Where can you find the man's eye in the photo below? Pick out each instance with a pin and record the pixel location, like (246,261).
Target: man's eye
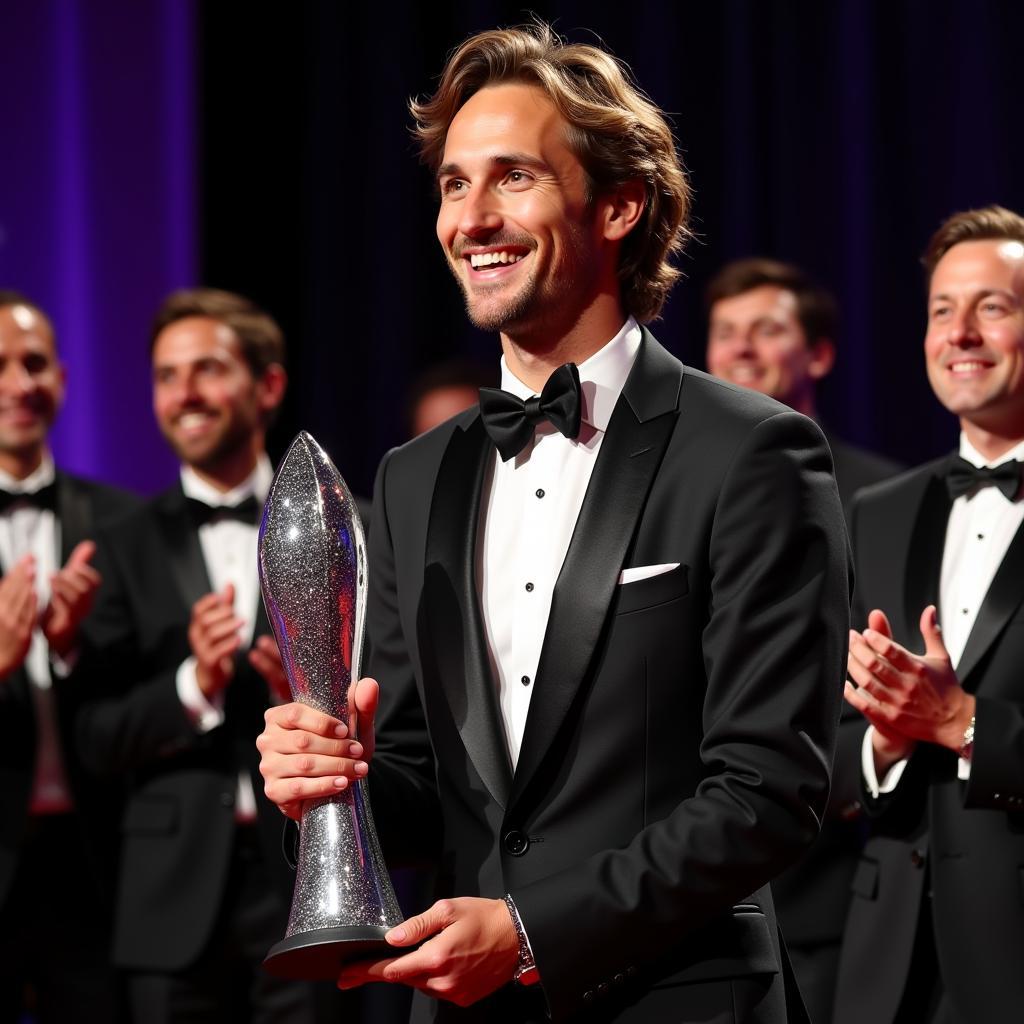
(452,187)
(517,177)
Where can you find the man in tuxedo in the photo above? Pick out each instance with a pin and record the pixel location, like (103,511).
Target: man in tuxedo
(606,608)
(936,924)
(772,329)
(57,825)
(190,667)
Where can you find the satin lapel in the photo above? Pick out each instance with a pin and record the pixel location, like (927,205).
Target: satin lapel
(454,643)
(627,464)
(1002,600)
(74,515)
(183,549)
(924,557)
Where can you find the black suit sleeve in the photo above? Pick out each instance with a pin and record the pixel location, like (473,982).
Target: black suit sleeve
(774,649)
(402,778)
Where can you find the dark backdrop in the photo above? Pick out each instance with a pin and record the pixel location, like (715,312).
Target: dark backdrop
(264,147)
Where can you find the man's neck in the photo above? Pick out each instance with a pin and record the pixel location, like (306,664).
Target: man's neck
(991,444)
(22,464)
(230,471)
(534,356)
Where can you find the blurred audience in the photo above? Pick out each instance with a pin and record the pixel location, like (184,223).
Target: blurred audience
(935,932)
(59,827)
(190,667)
(443,391)
(775,331)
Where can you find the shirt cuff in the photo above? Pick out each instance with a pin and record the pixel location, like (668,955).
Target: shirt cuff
(867,767)
(62,667)
(205,714)
(963,768)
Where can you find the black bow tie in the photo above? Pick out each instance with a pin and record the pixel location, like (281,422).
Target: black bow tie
(247,511)
(45,497)
(962,477)
(510,421)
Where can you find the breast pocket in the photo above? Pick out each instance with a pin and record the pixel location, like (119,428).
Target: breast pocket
(655,590)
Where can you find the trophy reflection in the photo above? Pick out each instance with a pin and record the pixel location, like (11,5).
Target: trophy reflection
(313,574)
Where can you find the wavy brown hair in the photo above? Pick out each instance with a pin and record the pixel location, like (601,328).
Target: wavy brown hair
(616,132)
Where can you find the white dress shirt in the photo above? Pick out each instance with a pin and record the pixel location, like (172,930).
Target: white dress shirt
(28,530)
(528,513)
(229,551)
(981,525)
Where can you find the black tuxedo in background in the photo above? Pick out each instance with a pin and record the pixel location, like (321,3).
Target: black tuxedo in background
(963,841)
(178,833)
(676,755)
(812,896)
(81,507)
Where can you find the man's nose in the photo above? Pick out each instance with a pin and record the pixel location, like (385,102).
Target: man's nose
(963,330)
(479,213)
(15,379)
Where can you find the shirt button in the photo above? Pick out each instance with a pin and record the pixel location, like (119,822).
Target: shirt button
(981,536)
(525,680)
(965,611)
(529,589)
(540,492)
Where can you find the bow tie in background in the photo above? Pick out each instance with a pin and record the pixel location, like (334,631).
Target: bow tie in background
(510,422)
(247,511)
(44,498)
(962,477)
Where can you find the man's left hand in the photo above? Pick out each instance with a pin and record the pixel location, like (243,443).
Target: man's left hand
(470,949)
(265,657)
(915,695)
(72,592)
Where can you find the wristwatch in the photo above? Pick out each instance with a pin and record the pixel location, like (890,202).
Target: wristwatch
(526,972)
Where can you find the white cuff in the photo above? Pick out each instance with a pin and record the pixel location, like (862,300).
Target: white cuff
(963,768)
(205,714)
(867,767)
(62,667)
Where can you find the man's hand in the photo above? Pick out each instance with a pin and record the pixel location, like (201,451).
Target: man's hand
(17,614)
(471,950)
(72,592)
(266,659)
(906,697)
(307,754)
(214,639)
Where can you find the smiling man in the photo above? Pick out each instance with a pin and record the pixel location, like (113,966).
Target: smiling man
(607,608)
(54,909)
(190,667)
(936,924)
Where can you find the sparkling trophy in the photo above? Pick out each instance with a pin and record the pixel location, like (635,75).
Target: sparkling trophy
(312,566)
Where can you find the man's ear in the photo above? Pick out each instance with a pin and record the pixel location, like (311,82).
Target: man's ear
(623,208)
(823,358)
(272,385)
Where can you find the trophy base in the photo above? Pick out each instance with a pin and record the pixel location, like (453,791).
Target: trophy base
(319,955)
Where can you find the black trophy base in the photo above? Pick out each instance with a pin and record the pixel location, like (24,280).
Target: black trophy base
(319,955)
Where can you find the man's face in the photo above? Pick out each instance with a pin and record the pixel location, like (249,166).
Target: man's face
(974,347)
(514,221)
(756,340)
(31,381)
(206,400)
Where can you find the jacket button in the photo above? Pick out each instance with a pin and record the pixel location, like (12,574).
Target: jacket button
(588,997)
(917,858)
(227,798)
(619,979)
(516,842)
(602,989)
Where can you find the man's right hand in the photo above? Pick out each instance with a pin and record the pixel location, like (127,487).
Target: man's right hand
(18,612)
(214,638)
(307,754)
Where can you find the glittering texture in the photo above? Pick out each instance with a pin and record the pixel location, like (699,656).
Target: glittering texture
(312,561)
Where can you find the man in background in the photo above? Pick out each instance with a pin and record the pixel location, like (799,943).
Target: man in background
(58,827)
(443,391)
(190,667)
(772,329)
(936,923)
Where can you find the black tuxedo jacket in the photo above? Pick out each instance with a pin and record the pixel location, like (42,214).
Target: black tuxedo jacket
(82,506)
(178,826)
(857,468)
(966,838)
(676,755)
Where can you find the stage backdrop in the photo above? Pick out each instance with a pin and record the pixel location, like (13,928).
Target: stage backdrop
(265,148)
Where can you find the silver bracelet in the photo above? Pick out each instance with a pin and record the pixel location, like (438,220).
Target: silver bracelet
(526,968)
(967,746)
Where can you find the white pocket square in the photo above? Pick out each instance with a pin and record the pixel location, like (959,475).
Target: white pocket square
(645,572)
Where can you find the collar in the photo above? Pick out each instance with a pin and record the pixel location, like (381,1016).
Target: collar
(39,478)
(976,459)
(602,376)
(257,484)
